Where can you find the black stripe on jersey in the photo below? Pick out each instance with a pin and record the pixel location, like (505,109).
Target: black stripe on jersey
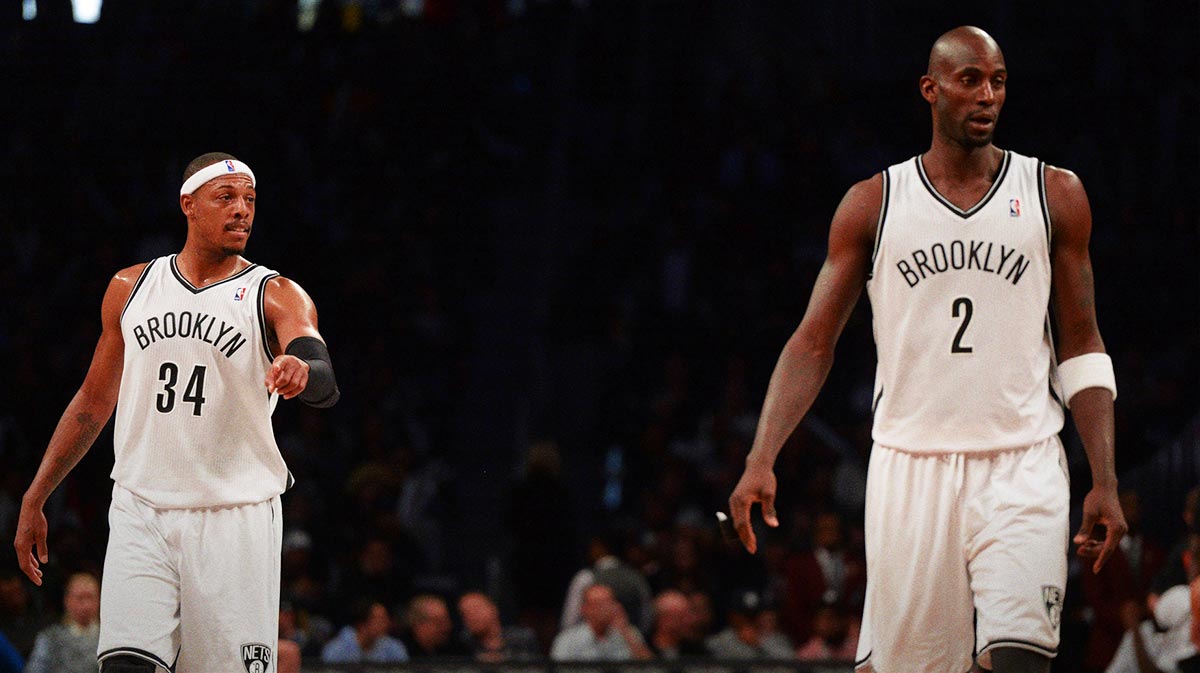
(1020,644)
(262,316)
(875,404)
(862,661)
(982,202)
(1042,197)
(879,226)
(137,286)
(197,290)
(148,656)
(1053,358)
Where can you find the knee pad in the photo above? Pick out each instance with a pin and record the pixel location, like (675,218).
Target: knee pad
(127,663)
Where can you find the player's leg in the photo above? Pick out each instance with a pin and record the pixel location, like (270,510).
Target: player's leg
(1016,660)
(918,612)
(229,608)
(139,595)
(1018,515)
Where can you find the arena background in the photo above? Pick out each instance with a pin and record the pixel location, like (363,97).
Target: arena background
(556,248)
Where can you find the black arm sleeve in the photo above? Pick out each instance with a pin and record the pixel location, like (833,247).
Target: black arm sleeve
(322,390)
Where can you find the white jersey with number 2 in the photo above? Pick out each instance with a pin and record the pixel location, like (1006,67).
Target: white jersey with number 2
(193,420)
(960,300)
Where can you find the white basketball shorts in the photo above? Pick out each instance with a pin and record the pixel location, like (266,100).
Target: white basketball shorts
(966,553)
(192,590)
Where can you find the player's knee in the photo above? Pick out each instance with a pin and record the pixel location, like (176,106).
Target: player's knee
(126,663)
(1019,660)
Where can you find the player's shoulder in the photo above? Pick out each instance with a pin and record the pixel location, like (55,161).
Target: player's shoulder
(285,294)
(1062,179)
(860,207)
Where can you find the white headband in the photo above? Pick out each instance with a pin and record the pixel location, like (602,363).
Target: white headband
(225,167)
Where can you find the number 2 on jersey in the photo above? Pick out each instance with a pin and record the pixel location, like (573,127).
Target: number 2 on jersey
(168,375)
(963,305)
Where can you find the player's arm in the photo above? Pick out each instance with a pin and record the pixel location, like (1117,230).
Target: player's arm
(85,416)
(303,369)
(807,357)
(1082,358)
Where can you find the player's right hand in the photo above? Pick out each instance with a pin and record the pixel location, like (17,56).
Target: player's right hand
(756,485)
(31,541)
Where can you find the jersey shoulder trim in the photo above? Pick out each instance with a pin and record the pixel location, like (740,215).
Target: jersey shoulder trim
(262,314)
(137,286)
(1045,203)
(883,208)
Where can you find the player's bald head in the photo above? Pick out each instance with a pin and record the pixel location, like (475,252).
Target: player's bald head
(961,45)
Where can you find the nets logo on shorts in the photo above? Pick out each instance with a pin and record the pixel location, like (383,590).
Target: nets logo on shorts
(256,657)
(1053,598)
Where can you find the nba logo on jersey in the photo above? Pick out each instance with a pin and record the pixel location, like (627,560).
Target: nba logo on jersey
(229,166)
(256,657)
(1014,207)
(240,294)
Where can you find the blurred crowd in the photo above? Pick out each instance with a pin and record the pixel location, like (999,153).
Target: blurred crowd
(556,248)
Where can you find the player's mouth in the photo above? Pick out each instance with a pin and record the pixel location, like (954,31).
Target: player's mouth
(981,122)
(240,230)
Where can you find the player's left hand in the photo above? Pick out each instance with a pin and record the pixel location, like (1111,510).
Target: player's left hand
(1100,506)
(287,376)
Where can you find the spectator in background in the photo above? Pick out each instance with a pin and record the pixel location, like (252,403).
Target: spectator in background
(605,567)
(675,634)
(744,636)
(1117,594)
(604,635)
(835,635)
(1160,644)
(70,646)
(366,638)
(827,572)
(18,620)
(486,638)
(541,526)
(430,629)
(288,658)
(1176,568)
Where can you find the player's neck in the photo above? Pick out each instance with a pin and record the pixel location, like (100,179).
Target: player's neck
(953,162)
(202,268)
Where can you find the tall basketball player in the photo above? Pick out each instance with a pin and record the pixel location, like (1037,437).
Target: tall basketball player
(196,349)
(964,250)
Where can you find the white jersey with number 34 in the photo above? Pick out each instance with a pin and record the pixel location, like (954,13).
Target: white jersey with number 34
(193,421)
(960,301)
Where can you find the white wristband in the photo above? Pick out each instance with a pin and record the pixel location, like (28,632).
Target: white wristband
(1090,370)
(224,167)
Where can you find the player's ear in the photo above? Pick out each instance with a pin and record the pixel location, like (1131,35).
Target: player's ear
(928,88)
(187,204)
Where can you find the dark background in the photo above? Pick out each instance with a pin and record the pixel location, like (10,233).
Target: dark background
(583,226)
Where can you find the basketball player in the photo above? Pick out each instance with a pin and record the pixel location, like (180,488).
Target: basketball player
(963,251)
(196,349)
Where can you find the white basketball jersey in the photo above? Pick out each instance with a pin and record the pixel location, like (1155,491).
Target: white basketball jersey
(961,314)
(193,422)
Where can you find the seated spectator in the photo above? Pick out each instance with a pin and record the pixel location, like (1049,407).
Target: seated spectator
(486,638)
(835,636)
(675,627)
(606,567)
(604,635)
(1159,644)
(366,638)
(70,646)
(429,629)
(745,637)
